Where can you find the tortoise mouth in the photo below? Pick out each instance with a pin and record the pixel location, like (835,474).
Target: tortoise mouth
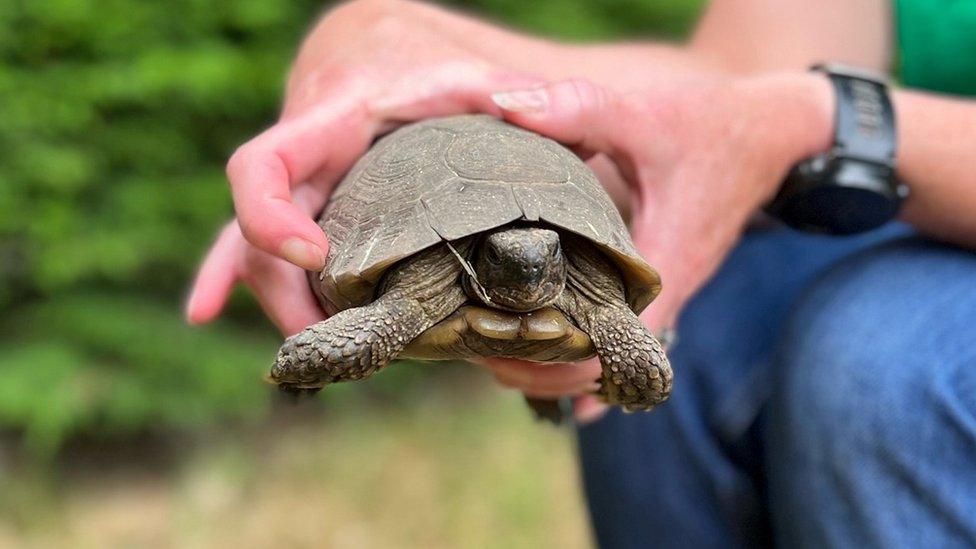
(523,299)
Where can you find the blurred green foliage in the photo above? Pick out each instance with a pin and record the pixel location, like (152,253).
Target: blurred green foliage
(116,117)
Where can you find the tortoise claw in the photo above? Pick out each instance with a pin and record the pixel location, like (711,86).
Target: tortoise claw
(551,411)
(295,394)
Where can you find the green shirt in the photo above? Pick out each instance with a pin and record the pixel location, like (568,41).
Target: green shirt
(937,44)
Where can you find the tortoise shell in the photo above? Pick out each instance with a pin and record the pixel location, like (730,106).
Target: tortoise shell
(449,178)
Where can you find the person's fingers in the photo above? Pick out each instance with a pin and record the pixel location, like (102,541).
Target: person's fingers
(261,182)
(328,138)
(447,89)
(321,143)
(575,112)
(232,259)
(540,390)
(551,375)
(283,292)
(546,380)
(281,288)
(588,408)
(263,170)
(658,235)
(216,278)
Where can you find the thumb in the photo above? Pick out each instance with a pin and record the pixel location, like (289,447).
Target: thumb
(575,112)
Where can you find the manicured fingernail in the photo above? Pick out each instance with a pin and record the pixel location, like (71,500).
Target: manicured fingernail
(534,100)
(303,253)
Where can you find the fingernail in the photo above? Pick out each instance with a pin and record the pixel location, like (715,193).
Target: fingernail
(190,313)
(303,253)
(189,309)
(590,413)
(533,100)
(519,377)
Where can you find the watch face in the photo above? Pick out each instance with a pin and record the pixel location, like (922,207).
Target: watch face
(838,210)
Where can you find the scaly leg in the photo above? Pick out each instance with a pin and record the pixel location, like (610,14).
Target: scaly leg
(351,345)
(636,372)
(356,343)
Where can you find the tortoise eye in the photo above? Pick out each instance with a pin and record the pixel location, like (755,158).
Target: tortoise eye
(492,255)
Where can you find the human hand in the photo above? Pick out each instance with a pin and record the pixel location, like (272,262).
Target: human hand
(363,70)
(700,160)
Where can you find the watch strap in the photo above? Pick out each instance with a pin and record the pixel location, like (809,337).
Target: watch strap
(864,123)
(852,187)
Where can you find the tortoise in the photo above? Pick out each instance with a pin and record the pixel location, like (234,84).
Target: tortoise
(463,237)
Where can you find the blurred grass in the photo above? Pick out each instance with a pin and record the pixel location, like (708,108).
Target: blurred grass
(484,475)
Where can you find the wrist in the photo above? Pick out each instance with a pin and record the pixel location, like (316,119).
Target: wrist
(814,104)
(798,111)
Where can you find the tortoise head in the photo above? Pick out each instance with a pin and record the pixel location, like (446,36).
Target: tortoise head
(520,268)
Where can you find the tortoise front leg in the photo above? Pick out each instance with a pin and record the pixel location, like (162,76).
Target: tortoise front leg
(544,409)
(636,373)
(354,344)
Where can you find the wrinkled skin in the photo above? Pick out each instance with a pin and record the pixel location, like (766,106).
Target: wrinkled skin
(521,269)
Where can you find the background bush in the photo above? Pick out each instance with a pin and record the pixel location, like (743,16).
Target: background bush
(116,117)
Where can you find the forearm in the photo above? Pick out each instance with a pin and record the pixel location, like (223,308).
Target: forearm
(936,157)
(620,65)
(734,36)
(937,160)
(753,36)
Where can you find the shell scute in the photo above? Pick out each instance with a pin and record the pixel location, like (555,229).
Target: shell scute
(462,208)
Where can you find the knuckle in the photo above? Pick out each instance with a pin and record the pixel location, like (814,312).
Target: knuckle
(250,231)
(592,109)
(237,163)
(246,230)
(257,266)
(231,229)
(590,98)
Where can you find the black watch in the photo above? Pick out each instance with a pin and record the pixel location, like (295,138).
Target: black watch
(853,187)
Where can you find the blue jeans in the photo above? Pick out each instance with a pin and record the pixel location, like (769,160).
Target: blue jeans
(825,396)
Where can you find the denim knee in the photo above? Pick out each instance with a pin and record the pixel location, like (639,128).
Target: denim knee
(872,425)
